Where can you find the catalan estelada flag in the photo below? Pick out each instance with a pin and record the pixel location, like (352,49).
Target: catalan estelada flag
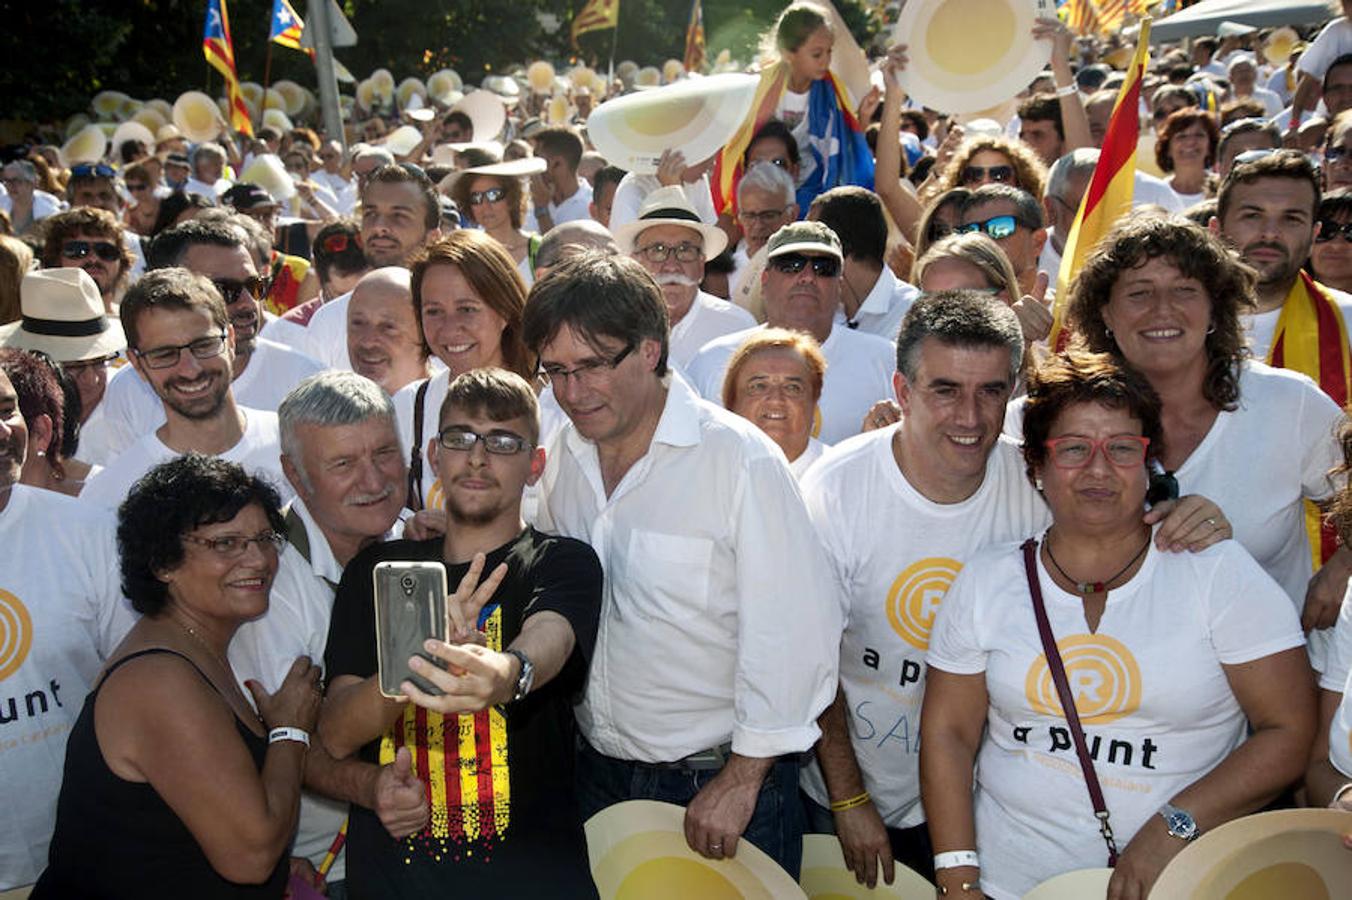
(287,27)
(220,53)
(1110,189)
(695,55)
(595,16)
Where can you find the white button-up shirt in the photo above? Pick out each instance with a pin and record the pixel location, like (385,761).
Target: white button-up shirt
(883,308)
(719,620)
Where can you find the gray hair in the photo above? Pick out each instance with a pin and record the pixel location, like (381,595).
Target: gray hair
(960,319)
(770,178)
(1077,163)
(386,157)
(328,399)
(571,237)
(24,170)
(1027,209)
(205,149)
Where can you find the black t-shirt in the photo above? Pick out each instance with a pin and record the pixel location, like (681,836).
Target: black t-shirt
(499,782)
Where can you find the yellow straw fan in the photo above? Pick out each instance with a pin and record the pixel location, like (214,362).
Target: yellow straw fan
(151,117)
(1082,884)
(558,112)
(698,115)
(275,118)
(107,104)
(293,97)
(87,146)
(442,83)
(485,111)
(366,95)
(1280,44)
(384,82)
(197,116)
(408,89)
(75,123)
(252,92)
(825,876)
(132,131)
(540,76)
(266,171)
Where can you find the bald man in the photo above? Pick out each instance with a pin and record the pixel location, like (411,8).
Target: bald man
(570,237)
(383,340)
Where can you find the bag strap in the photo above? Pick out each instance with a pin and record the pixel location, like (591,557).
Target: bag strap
(415,463)
(1058,672)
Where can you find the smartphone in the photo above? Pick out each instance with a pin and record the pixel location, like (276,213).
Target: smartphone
(410,599)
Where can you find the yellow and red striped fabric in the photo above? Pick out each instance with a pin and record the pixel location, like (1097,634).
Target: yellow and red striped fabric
(220,53)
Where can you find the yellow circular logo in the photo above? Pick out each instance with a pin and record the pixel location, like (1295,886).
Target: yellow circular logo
(914,598)
(1104,679)
(16,634)
(436,496)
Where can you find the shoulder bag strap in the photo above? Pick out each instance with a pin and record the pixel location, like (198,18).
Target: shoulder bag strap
(1058,672)
(415,463)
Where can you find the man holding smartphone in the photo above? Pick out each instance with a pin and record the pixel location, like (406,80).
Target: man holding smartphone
(492,745)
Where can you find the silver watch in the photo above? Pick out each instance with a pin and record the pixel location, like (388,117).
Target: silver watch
(1180,822)
(526,679)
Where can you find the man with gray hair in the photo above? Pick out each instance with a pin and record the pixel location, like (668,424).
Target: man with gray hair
(25,204)
(331,176)
(766,202)
(208,169)
(340,453)
(1067,180)
(1243,74)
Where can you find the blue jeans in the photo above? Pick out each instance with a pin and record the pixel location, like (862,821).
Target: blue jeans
(776,825)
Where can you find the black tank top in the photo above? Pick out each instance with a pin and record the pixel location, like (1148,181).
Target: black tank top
(118,839)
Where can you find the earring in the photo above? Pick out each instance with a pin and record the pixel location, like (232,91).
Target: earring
(1212,329)
(1037,482)
(1107,332)
(41,454)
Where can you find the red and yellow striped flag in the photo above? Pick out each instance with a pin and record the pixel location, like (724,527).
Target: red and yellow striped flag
(596,15)
(695,55)
(220,53)
(1110,189)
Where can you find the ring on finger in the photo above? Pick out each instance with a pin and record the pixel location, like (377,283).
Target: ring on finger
(1212,522)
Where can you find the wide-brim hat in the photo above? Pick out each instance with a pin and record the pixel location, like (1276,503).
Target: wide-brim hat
(486,112)
(88,145)
(444,154)
(267,172)
(697,115)
(63,316)
(402,140)
(197,117)
(132,130)
(670,206)
(641,844)
(514,168)
(1279,45)
(968,55)
(824,874)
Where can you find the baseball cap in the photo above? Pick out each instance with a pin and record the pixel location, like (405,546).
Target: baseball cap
(804,237)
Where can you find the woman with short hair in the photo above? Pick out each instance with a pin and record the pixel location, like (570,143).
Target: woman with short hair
(774,380)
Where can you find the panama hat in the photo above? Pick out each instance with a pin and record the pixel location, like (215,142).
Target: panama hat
(959,68)
(167,132)
(825,875)
(670,206)
(151,118)
(266,171)
(252,92)
(107,104)
(640,844)
(513,168)
(486,112)
(64,317)
(442,83)
(197,116)
(89,144)
(698,115)
(1082,884)
(558,112)
(1287,853)
(384,82)
(366,94)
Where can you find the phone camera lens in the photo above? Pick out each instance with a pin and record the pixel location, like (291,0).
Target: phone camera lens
(407,583)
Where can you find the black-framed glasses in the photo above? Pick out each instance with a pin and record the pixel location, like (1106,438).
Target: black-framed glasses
(685,252)
(588,371)
(167,357)
(492,195)
(1329,229)
(764,216)
(996,227)
(981,174)
(232,546)
(231,288)
(84,367)
(104,250)
(793,263)
(502,443)
(92,170)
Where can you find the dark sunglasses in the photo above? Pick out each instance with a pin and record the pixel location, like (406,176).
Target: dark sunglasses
(338,243)
(978,174)
(92,170)
(136,186)
(1329,229)
(492,195)
(1335,153)
(231,288)
(996,227)
(793,263)
(104,250)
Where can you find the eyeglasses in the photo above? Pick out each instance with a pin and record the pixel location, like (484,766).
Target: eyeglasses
(1329,229)
(104,250)
(793,263)
(338,243)
(92,170)
(503,443)
(167,357)
(492,195)
(763,217)
(1121,450)
(136,186)
(587,372)
(231,288)
(232,546)
(86,367)
(997,227)
(658,253)
(980,174)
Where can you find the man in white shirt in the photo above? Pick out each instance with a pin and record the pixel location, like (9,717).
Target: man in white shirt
(766,202)
(25,204)
(801,286)
(330,174)
(718,638)
(669,240)
(341,455)
(1244,85)
(872,299)
(179,338)
(208,168)
(569,197)
(1067,180)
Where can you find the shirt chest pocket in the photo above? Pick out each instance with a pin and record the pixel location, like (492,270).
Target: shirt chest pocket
(669,574)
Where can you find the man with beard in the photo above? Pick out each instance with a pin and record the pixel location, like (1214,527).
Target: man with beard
(1266,210)
(180,340)
(89,239)
(669,240)
(383,339)
(495,744)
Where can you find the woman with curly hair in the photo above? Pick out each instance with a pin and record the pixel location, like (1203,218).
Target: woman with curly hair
(1165,297)
(989,159)
(1186,149)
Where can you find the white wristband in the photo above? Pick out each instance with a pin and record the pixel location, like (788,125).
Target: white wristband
(1067,90)
(955,858)
(299,735)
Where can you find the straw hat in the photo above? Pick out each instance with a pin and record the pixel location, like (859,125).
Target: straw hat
(89,144)
(107,104)
(402,140)
(275,118)
(408,89)
(516,168)
(252,92)
(168,132)
(1280,44)
(197,116)
(266,171)
(559,111)
(151,118)
(670,206)
(824,874)
(672,69)
(648,77)
(293,97)
(63,316)
(442,83)
(366,95)
(1077,885)
(540,76)
(384,82)
(162,107)
(485,110)
(132,130)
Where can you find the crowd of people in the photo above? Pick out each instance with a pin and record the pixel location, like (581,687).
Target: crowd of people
(775,503)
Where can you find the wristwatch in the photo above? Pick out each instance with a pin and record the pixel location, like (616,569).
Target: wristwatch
(526,679)
(1179,822)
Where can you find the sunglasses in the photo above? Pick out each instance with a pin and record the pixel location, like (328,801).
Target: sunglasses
(1335,154)
(136,186)
(492,195)
(1329,229)
(104,250)
(92,170)
(793,263)
(981,174)
(996,227)
(338,243)
(231,288)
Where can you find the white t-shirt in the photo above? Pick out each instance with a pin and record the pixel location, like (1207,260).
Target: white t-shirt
(1149,190)
(1149,686)
(894,552)
(1262,327)
(883,307)
(709,317)
(859,371)
(807,458)
(573,208)
(326,334)
(1338,678)
(1332,42)
(64,614)
(258,451)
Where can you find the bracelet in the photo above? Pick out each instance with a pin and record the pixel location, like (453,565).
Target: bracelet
(852,803)
(965,887)
(1067,91)
(287,733)
(1338,794)
(955,858)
